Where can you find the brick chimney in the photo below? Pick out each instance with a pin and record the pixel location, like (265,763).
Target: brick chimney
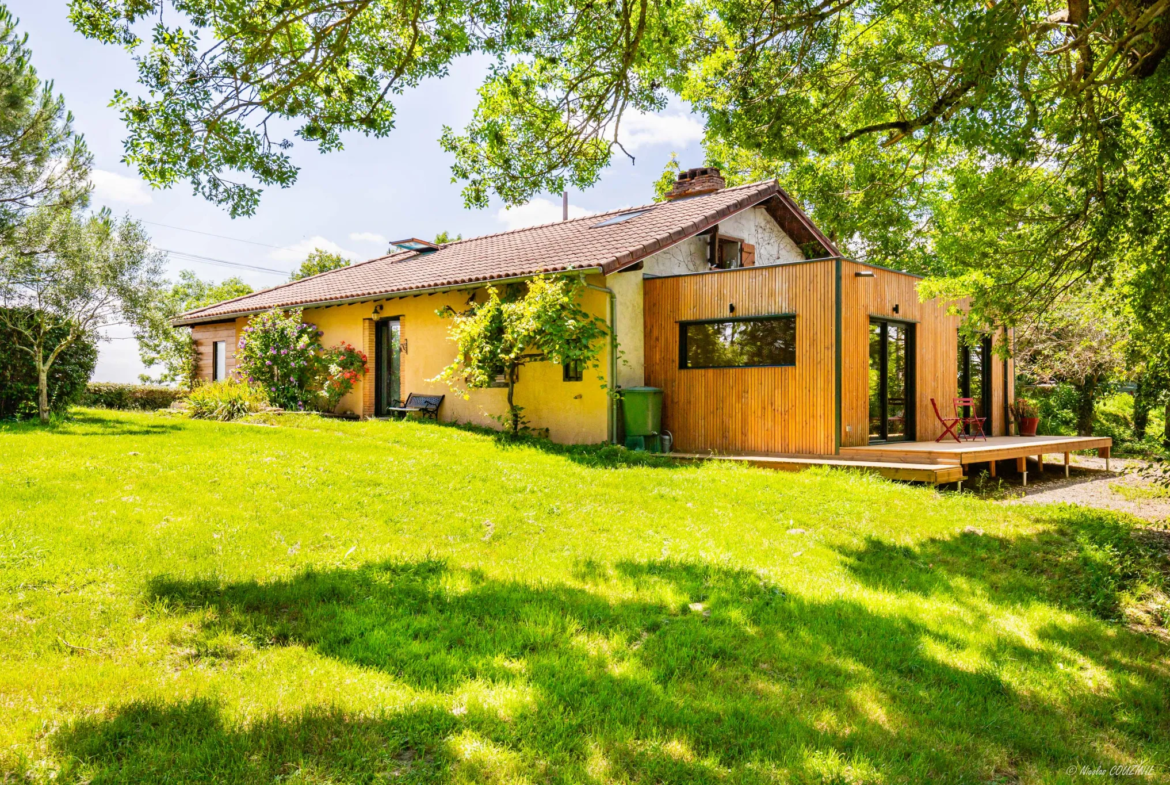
(692,182)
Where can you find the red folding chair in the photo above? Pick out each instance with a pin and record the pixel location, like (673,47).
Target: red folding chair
(949,424)
(975,423)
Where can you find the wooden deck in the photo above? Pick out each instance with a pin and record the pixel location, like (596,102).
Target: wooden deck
(932,462)
(933,473)
(991,451)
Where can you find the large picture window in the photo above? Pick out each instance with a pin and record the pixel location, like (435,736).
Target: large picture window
(754,342)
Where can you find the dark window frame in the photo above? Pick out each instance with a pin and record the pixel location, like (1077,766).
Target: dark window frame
(573,371)
(218,350)
(966,384)
(682,340)
(910,426)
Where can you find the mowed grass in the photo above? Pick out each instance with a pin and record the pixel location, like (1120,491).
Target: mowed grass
(334,602)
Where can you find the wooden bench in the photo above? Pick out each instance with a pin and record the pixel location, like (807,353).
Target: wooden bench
(426,405)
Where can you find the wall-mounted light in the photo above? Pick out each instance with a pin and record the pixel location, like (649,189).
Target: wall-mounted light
(731,308)
(895,308)
(377,309)
(864,274)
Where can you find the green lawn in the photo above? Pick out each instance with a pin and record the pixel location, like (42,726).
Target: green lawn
(405,602)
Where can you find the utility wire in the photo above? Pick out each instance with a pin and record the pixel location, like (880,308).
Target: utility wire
(224,262)
(211,234)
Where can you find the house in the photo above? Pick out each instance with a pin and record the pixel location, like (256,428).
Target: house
(763,337)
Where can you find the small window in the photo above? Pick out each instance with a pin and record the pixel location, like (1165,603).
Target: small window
(756,342)
(574,371)
(729,254)
(218,361)
(617,219)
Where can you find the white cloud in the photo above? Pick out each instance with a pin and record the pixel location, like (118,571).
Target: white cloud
(368,237)
(298,251)
(538,211)
(114,187)
(677,129)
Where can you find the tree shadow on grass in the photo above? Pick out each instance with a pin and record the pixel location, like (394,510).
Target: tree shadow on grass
(1079,558)
(596,456)
(699,674)
(87,423)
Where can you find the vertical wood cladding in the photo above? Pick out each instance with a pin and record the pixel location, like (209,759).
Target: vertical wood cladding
(207,334)
(764,410)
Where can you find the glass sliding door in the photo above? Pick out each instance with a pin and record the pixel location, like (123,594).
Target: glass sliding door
(387,366)
(891,381)
(975,379)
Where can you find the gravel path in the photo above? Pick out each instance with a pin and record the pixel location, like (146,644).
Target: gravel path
(1092,486)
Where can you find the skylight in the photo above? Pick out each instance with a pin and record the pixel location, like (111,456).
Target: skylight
(617,219)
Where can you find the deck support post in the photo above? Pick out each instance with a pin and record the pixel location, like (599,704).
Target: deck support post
(1022,468)
(991,465)
(1105,450)
(1040,463)
(1066,465)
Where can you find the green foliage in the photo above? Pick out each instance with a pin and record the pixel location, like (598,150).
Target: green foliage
(342,367)
(226,399)
(542,321)
(42,161)
(18,373)
(393,601)
(136,397)
(319,261)
(60,267)
(445,237)
(278,352)
(173,348)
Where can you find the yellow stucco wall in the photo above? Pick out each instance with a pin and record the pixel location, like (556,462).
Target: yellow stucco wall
(573,412)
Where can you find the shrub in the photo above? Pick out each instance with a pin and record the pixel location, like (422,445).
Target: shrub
(18,374)
(228,399)
(279,352)
(141,397)
(341,368)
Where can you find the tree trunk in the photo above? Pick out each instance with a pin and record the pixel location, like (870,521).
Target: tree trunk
(1166,428)
(1086,405)
(42,391)
(512,413)
(1141,408)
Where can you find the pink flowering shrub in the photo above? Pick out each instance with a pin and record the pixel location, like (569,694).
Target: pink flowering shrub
(279,353)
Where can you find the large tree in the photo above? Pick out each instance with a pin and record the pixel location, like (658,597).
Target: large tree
(42,161)
(61,267)
(1081,341)
(781,77)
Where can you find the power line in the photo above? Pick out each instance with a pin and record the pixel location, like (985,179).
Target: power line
(210,234)
(224,262)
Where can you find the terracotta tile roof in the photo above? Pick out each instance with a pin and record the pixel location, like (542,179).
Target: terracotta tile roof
(578,244)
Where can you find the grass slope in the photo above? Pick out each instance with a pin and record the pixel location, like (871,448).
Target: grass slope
(345,602)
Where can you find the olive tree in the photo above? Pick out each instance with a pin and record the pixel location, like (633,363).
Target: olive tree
(87,272)
(542,321)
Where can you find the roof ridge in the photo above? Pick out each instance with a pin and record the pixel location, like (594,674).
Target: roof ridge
(630,208)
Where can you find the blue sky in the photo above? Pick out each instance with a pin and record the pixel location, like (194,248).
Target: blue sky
(351,201)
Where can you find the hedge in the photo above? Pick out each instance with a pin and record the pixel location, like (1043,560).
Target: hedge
(131,396)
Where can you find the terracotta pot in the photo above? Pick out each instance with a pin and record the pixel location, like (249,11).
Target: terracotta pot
(1028,426)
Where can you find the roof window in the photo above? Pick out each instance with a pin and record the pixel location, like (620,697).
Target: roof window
(617,219)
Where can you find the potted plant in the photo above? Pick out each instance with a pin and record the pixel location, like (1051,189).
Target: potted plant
(1027,417)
